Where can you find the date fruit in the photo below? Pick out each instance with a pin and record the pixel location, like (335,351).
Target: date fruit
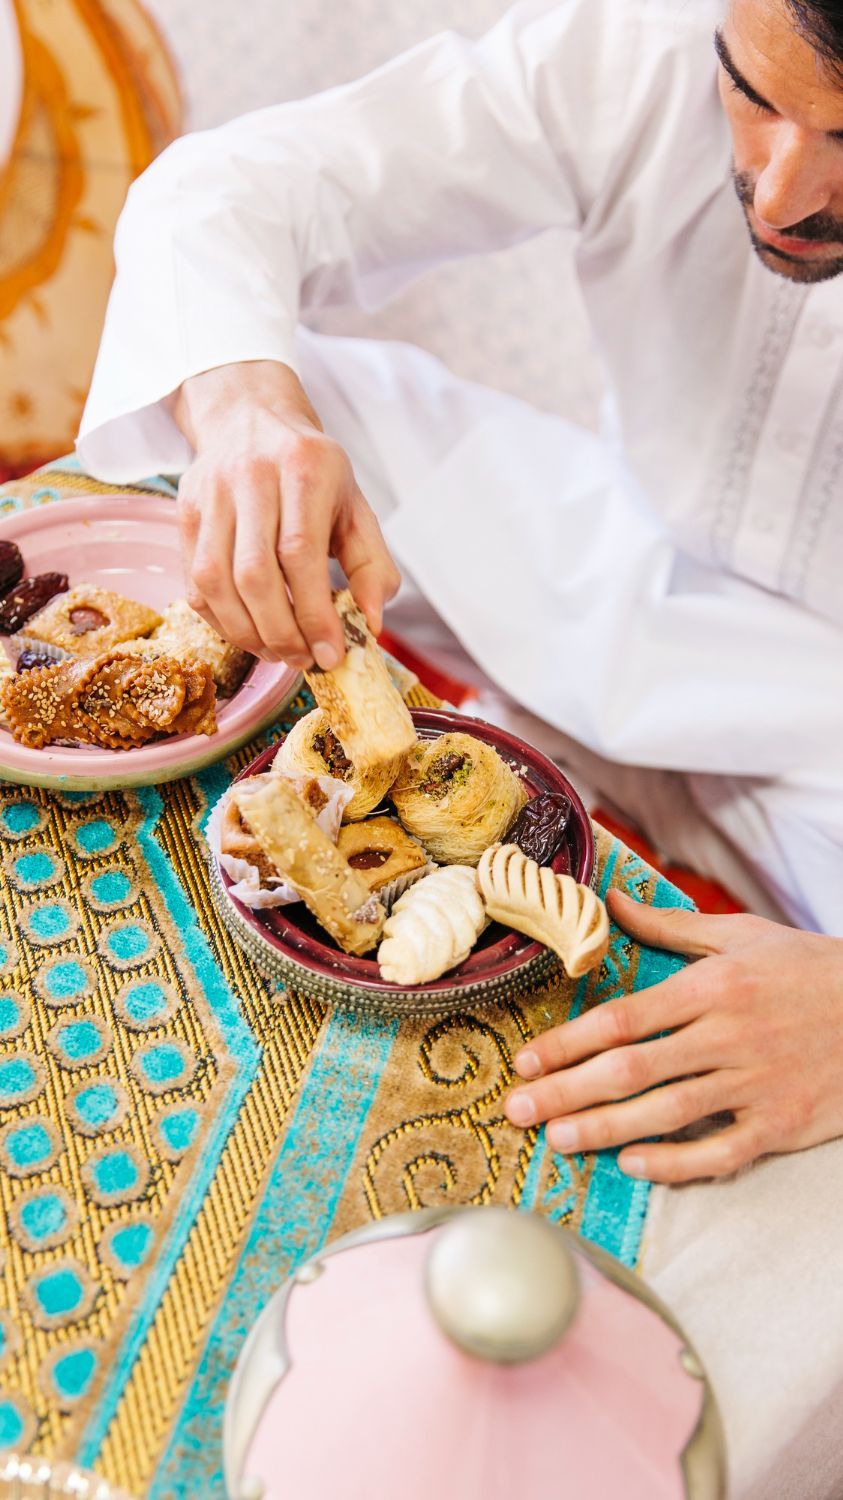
(29,661)
(11,566)
(27,598)
(539,829)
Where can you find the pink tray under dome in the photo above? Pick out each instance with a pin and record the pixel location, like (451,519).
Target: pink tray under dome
(482,1354)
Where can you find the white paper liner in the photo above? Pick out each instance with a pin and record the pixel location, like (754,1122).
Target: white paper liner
(247,886)
(388,894)
(16,644)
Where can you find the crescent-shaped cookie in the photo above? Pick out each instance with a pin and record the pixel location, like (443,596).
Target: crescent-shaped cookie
(433,927)
(553,909)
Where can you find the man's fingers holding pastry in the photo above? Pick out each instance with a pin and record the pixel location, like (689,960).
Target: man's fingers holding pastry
(207,523)
(364,557)
(316,481)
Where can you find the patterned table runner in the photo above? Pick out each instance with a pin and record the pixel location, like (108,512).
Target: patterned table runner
(175,1134)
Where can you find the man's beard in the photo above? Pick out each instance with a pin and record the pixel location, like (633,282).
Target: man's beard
(821,228)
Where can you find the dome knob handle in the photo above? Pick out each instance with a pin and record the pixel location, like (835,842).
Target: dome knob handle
(502,1285)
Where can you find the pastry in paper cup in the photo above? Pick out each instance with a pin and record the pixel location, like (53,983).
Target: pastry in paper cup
(257,884)
(386,856)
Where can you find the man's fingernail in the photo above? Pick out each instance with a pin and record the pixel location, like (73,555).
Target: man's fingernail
(520,1109)
(633,1166)
(527,1064)
(326,656)
(563,1136)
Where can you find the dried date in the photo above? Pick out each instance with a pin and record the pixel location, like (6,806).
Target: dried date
(539,830)
(11,566)
(27,598)
(29,661)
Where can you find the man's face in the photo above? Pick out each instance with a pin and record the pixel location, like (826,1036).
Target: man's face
(785,111)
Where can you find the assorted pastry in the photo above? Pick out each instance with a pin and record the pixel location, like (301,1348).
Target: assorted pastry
(92,667)
(430,840)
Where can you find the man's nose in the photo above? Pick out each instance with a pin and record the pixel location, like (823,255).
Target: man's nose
(794,183)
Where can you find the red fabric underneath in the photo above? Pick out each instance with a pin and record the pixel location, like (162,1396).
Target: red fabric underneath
(707,895)
(19,471)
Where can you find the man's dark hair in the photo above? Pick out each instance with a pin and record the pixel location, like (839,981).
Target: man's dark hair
(821,23)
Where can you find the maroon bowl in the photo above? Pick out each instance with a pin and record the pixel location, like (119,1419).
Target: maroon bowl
(290,946)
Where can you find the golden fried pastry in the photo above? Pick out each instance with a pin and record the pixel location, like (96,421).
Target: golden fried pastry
(383,854)
(117,702)
(86,621)
(183,634)
(364,708)
(432,927)
(312,749)
(304,856)
(553,909)
(237,839)
(457,796)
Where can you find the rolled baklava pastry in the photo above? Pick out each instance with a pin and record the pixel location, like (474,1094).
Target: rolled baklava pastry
(362,704)
(312,749)
(457,796)
(303,854)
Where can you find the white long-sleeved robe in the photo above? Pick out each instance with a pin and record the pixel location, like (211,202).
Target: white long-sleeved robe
(668,596)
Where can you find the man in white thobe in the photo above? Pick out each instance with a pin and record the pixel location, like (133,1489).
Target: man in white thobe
(665,596)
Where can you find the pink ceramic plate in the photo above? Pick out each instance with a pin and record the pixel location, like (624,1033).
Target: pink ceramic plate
(129,544)
(289,944)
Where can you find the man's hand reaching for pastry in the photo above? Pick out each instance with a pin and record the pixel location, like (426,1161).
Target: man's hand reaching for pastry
(268,500)
(754,1028)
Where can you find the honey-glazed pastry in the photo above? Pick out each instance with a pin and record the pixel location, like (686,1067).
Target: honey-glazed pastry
(115,702)
(457,796)
(553,909)
(312,749)
(304,856)
(86,621)
(433,927)
(364,708)
(184,635)
(387,858)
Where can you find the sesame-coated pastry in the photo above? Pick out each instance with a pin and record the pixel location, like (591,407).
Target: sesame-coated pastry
(116,702)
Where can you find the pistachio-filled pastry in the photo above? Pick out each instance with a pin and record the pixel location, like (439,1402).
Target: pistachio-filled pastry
(457,796)
(312,749)
(363,706)
(554,909)
(432,927)
(388,859)
(303,854)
